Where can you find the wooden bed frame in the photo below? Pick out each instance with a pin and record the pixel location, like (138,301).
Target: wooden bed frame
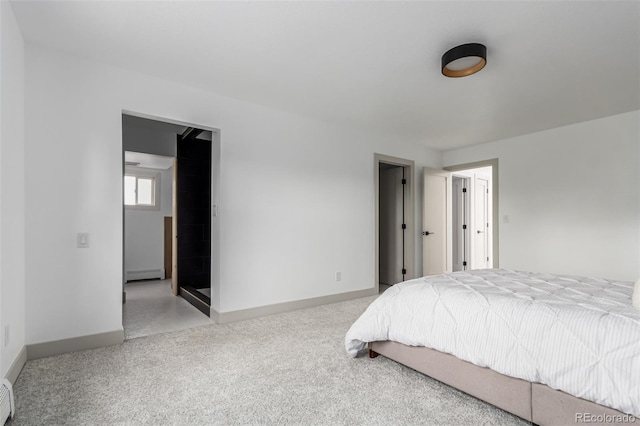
(534,402)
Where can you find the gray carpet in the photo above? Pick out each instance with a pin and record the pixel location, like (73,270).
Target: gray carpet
(282,369)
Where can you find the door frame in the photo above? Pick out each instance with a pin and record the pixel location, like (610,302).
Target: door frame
(216,142)
(175,286)
(410,242)
(494,200)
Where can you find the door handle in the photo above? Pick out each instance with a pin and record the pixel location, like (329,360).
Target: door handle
(428,233)
(479,232)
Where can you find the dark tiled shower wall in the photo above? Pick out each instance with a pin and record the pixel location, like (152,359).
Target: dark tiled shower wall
(194,213)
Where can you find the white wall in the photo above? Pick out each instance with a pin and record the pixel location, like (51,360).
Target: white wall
(12,184)
(144,230)
(570,194)
(296,200)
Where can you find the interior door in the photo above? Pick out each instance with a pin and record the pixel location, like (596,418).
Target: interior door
(436,222)
(391,218)
(459,229)
(481,224)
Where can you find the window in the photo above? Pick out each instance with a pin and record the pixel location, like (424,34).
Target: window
(141,190)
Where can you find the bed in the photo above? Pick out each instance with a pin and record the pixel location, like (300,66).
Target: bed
(551,349)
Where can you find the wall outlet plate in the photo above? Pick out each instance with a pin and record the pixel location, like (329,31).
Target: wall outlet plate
(83,240)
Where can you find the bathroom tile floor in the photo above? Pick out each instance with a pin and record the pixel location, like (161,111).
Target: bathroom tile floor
(151,308)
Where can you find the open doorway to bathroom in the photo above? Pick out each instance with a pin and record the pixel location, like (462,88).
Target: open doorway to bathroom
(157,265)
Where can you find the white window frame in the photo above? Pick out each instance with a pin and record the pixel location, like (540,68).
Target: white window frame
(144,174)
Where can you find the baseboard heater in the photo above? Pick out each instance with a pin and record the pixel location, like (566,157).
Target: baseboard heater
(145,274)
(7,405)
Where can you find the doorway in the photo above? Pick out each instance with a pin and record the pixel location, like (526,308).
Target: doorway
(151,260)
(460,218)
(394,221)
(472,225)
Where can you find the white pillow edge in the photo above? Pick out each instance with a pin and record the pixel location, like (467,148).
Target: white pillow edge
(636,295)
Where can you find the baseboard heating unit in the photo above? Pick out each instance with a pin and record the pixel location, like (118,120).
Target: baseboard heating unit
(7,406)
(147,274)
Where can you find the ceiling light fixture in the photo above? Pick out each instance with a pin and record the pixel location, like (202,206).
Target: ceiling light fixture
(464,60)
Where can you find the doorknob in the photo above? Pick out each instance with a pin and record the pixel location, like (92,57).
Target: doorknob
(428,233)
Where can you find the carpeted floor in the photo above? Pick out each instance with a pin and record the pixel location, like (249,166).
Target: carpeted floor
(282,369)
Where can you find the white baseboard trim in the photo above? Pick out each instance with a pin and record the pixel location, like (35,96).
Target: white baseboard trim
(16,366)
(75,344)
(260,311)
(145,274)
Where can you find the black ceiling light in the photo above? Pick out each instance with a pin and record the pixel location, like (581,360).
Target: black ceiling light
(464,60)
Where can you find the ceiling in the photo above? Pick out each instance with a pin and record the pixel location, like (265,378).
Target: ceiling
(147,161)
(146,124)
(373,65)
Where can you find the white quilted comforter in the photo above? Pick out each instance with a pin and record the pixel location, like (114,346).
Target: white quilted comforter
(578,335)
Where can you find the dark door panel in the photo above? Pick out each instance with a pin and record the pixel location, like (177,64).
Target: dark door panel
(194,212)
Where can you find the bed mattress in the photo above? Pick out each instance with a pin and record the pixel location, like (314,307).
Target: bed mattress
(575,334)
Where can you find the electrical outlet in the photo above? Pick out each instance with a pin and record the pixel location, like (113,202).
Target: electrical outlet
(83,240)
(6,335)
(338,277)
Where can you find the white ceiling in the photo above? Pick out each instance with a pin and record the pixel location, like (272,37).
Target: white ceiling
(147,161)
(373,65)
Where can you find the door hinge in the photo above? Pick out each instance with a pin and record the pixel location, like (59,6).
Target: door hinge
(404,226)
(464,189)
(487,259)
(464,263)
(464,226)
(404,272)
(404,181)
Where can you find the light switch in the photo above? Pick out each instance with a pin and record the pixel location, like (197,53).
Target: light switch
(83,240)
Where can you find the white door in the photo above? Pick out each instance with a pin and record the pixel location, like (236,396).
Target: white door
(436,223)
(459,228)
(481,224)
